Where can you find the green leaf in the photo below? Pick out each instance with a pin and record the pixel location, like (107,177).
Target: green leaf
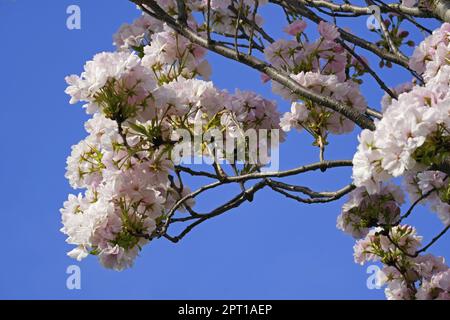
(138,128)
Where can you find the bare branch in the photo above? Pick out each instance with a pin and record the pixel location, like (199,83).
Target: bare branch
(238,23)
(332,196)
(415,203)
(433,241)
(233,203)
(404,15)
(208,21)
(196,173)
(311,193)
(260,30)
(252,30)
(279,174)
(374,113)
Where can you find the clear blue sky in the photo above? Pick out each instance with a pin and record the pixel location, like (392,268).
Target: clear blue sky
(271,249)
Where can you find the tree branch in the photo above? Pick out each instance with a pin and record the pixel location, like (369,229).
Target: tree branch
(359,118)
(433,241)
(316,197)
(440,8)
(233,203)
(348,7)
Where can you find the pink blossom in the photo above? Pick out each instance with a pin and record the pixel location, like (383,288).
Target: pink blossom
(295,27)
(264,78)
(409,3)
(328,31)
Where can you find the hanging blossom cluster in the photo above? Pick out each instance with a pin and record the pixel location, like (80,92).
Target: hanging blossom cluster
(407,276)
(363,211)
(413,135)
(374,220)
(325,68)
(139,96)
(410,140)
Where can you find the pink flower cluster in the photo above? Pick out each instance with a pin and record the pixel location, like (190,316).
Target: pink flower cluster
(224,13)
(432,53)
(324,56)
(408,142)
(375,221)
(131,36)
(317,118)
(407,276)
(170,56)
(125,196)
(321,67)
(400,240)
(295,28)
(433,185)
(119,71)
(408,123)
(124,164)
(363,211)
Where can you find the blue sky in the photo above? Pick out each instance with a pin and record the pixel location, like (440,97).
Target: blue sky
(270,249)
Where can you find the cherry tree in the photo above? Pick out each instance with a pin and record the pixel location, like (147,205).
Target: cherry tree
(153,108)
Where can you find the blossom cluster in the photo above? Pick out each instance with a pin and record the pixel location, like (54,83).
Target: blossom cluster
(410,141)
(413,134)
(432,188)
(136,34)
(224,14)
(407,275)
(363,211)
(374,220)
(318,119)
(324,55)
(323,67)
(139,96)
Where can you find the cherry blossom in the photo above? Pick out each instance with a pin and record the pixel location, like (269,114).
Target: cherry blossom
(295,27)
